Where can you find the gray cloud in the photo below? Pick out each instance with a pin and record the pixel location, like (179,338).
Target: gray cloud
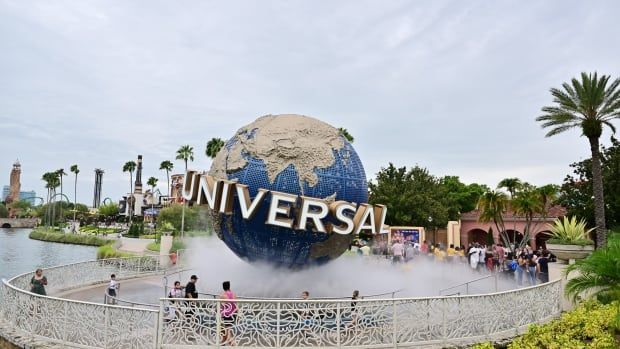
(452,86)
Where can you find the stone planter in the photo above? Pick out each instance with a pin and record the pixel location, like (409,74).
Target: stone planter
(566,252)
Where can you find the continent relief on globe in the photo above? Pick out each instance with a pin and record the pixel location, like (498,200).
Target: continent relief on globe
(316,185)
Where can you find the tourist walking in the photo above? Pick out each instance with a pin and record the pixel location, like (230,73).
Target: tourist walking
(474,256)
(543,267)
(531,269)
(190,288)
(176,291)
(229,313)
(397,252)
(112,290)
(38,282)
(521,268)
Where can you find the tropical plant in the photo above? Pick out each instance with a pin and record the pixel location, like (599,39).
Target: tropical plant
(185,153)
(61,172)
(152,182)
(598,274)
(108,210)
(167,166)
(51,183)
(511,185)
(569,231)
(130,166)
(4,212)
(588,105)
(76,170)
(346,134)
(213,147)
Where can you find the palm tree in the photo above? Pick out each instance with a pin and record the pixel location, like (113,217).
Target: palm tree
(588,105)
(61,172)
(599,273)
(185,153)
(130,166)
(152,182)
(76,170)
(51,183)
(346,134)
(492,206)
(167,166)
(511,185)
(213,147)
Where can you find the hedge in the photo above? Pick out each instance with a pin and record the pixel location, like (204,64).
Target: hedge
(590,325)
(108,251)
(68,238)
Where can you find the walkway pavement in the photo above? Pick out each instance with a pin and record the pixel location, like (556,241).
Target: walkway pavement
(134,245)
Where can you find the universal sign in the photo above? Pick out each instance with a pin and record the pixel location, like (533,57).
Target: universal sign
(218,195)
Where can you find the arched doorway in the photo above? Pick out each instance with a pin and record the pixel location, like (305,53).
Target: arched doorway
(541,239)
(514,236)
(477,235)
(6,225)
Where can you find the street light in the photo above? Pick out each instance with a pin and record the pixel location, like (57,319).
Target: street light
(430,223)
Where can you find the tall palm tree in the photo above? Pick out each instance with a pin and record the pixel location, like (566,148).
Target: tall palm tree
(346,135)
(61,172)
(51,183)
(167,166)
(130,166)
(152,182)
(588,105)
(492,206)
(213,147)
(511,185)
(76,170)
(185,153)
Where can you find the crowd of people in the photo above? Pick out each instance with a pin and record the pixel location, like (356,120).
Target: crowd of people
(520,263)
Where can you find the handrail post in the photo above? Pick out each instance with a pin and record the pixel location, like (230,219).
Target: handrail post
(338,324)
(496,284)
(278,326)
(394,339)
(467,288)
(444,324)
(64,327)
(159,328)
(218,324)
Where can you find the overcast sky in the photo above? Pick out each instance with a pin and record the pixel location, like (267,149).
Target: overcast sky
(453,86)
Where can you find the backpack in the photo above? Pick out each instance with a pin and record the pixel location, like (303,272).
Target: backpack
(513,265)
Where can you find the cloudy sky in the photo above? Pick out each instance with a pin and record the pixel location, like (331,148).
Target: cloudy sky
(453,86)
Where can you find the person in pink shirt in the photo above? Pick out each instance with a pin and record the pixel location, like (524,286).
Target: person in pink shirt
(229,313)
(424,247)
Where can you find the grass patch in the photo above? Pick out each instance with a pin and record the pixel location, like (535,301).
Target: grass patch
(108,251)
(176,245)
(148,236)
(67,238)
(90,229)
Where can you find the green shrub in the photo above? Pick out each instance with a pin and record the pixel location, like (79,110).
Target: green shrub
(177,245)
(67,238)
(148,236)
(588,326)
(153,246)
(108,251)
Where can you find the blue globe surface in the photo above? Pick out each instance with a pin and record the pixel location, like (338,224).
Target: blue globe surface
(254,240)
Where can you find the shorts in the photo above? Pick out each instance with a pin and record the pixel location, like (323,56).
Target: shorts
(111,292)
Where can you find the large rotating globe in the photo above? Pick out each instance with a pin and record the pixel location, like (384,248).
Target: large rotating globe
(292,154)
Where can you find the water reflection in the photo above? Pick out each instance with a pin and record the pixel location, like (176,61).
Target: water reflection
(19,254)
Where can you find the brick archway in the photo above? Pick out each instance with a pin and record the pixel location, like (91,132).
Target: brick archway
(477,235)
(541,239)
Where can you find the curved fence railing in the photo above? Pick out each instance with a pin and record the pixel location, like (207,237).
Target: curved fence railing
(433,321)
(364,323)
(82,323)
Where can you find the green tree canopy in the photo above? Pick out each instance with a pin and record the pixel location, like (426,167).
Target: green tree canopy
(185,153)
(109,210)
(588,105)
(576,191)
(4,212)
(345,133)
(213,147)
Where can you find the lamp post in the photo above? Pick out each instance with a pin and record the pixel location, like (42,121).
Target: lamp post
(430,223)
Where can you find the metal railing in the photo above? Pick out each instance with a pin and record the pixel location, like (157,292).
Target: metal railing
(261,323)
(466,284)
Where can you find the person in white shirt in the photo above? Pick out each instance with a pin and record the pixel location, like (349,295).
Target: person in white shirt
(112,290)
(397,252)
(474,256)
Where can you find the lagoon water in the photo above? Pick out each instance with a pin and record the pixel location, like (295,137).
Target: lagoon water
(19,254)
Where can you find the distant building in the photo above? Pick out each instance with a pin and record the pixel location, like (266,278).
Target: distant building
(12,191)
(29,196)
